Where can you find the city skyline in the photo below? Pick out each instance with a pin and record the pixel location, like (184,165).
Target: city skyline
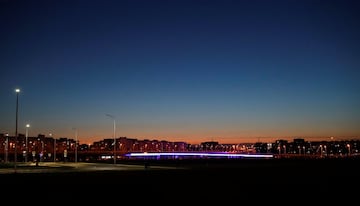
(201,141)
(189,71)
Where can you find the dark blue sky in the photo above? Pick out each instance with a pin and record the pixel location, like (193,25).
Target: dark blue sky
(230,71)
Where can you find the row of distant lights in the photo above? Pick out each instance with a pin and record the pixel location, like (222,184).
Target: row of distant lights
(200,154)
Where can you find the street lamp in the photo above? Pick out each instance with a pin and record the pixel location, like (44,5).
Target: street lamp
(16,127)
(26,142)
(112,117)
(76,134)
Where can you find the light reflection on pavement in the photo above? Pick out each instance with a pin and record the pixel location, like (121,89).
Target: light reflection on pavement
(50,167)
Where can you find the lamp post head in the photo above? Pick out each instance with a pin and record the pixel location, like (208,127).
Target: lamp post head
(17,90)
(27,125)
(111,116)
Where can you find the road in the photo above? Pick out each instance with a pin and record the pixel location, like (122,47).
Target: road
(208,181)
(60,167)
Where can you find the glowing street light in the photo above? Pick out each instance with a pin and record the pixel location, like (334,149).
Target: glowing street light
(112,117)
(16,127)
(26,142)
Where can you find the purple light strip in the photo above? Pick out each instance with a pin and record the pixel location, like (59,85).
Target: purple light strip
(152,154)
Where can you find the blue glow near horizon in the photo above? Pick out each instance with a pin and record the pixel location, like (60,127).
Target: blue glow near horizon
(201,154)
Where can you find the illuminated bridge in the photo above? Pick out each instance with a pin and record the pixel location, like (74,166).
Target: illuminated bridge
(196,155)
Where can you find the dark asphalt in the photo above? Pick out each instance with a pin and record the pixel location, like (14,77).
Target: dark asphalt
(203,180)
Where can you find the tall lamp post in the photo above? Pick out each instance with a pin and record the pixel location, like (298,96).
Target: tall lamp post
(26,142)
(16,127)
(112,117)
(76,137)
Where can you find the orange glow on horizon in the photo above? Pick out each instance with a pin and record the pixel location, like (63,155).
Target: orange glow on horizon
(193,136)
(222,140)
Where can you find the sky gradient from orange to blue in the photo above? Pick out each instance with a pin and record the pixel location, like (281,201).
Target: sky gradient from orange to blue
(193,71)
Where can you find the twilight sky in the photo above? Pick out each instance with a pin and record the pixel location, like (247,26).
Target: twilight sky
(181,70)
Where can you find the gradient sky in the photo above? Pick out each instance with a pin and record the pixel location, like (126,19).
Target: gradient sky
(178,70)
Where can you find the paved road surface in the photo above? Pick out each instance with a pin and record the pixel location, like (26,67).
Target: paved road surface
(59,167)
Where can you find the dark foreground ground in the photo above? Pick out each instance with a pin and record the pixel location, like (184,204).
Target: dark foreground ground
(205,181)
